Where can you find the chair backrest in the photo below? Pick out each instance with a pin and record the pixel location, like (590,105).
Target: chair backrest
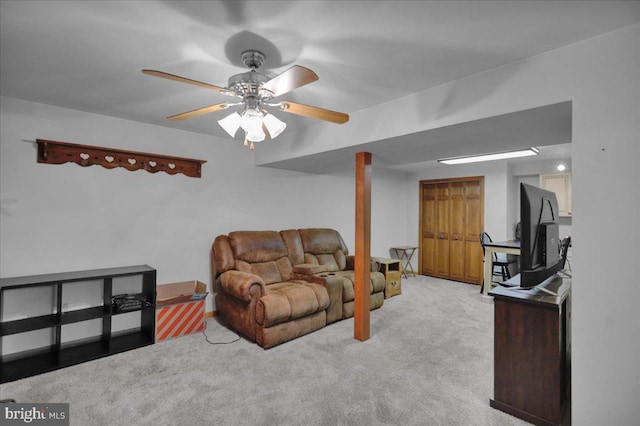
(485,238)
(564,248)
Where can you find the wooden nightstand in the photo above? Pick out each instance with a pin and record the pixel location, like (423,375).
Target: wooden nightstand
(393,279)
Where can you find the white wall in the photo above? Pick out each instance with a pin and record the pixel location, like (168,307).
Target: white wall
(388,218)
(600,76)
(59,218)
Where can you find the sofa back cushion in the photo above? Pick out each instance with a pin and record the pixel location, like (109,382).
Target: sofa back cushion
(261,253)
(324,247)
(292,240)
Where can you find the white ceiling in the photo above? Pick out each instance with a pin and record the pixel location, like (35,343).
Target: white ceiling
(519,130)
(88,55)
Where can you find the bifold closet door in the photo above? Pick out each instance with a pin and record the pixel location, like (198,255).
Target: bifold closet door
(428,230)
(451,219)
(473,226)
(443,230)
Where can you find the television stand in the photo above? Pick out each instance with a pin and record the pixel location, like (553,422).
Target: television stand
(532,352)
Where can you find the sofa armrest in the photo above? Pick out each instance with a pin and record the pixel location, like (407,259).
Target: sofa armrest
(242,285)
(333,284)
(308,268)
(350,262)
(375,265)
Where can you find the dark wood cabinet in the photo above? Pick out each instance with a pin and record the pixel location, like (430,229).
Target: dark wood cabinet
(532,352)
(57,320)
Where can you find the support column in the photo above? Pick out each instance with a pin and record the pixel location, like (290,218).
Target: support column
(362,302)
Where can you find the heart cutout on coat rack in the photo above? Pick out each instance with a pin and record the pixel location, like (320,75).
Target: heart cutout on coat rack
(84,156)
(152,163)
(109,158)
(132,161)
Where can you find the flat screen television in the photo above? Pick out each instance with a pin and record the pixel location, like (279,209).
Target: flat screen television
(539,242)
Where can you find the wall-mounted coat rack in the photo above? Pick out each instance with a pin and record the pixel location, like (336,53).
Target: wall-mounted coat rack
(54,152)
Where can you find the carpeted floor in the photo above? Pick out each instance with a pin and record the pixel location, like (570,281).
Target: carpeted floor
(429,361)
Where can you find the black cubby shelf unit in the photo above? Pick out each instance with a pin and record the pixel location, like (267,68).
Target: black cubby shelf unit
(53,321)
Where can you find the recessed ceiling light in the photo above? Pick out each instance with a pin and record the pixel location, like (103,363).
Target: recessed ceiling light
(561,167)
(489,157)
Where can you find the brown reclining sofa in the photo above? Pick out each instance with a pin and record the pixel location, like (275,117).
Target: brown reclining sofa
(275,286)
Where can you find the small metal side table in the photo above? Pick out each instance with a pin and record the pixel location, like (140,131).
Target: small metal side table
(404,254)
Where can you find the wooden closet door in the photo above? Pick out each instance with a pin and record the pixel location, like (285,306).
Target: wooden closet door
(428,230)
(451,219)
(443,217)
(457,232)
(474,223)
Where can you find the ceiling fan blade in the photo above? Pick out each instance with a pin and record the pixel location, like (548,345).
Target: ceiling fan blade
(199,111)
(168,76)
(314,112)
(294,77)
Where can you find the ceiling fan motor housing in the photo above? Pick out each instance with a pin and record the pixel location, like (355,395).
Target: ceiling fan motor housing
(248,84)
(253,59)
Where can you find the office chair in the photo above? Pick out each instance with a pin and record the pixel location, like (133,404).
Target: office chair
(564,248)
(503,263)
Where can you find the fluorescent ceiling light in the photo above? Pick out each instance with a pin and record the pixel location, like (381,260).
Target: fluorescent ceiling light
(489,157)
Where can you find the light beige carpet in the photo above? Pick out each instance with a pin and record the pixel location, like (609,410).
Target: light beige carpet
(429,362)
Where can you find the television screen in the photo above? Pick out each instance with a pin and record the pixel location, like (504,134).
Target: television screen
(540,242)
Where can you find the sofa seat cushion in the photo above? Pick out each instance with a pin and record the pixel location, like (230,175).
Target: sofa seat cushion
(377,284)
(270,271)
(289,300)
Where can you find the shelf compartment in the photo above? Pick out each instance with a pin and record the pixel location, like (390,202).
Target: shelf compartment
(28,302)
(26,344)
(126,322)
(127,285)
(82,294)
(127,341)
(76,354)
(76,333)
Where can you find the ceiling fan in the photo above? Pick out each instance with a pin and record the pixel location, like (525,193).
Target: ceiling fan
(254,92)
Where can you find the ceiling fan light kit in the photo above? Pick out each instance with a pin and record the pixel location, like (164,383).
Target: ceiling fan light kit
(274,125)
(255,91)
(231,123)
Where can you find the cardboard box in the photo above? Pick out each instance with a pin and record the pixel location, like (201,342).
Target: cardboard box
(180,309)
